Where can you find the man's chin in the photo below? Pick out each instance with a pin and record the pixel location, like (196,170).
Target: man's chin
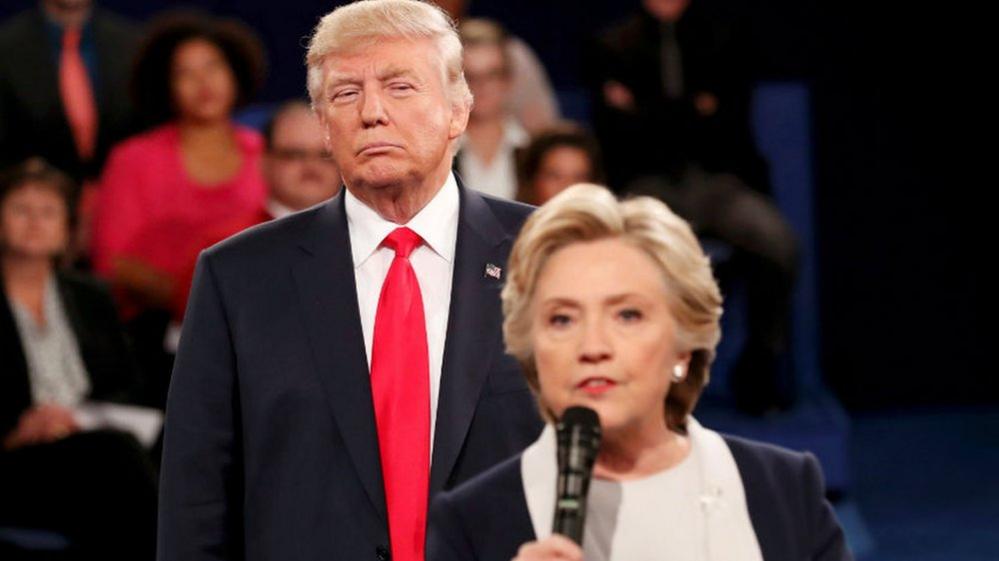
(383,178)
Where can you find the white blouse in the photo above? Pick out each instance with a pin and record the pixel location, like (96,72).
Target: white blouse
(646,519)
(55,369)
(695,510)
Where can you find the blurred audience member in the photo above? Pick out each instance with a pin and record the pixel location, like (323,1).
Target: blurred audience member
(762,257)
(64,69)
(673,85)
(297,167)
(62,345)
(555,159)
(64,85)
(487,158)
(166,188)
(532,98)
(672,88)
(299,174)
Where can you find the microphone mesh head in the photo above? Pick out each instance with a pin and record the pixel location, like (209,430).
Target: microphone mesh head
(580,416)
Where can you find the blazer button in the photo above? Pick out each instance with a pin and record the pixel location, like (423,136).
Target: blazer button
(382,553)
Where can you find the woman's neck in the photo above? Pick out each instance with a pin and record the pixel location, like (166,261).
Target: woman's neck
(210,152)
(485,138)
(202,133)
(24,282)
(634,454)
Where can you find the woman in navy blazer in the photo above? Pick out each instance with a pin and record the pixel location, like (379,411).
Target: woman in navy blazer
(612,305)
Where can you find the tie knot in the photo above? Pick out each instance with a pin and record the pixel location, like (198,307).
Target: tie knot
(71,38)
(403,241)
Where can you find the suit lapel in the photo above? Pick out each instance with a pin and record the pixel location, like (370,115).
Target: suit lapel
(39,67)
(473,324)
(327,294)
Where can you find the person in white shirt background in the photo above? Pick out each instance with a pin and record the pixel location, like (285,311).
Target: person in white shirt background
(488,157)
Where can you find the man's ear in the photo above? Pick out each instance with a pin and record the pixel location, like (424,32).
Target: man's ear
(459,119)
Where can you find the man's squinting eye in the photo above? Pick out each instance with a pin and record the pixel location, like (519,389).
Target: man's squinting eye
(344,95)
(401,86)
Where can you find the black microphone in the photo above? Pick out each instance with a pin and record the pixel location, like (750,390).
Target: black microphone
(578,443)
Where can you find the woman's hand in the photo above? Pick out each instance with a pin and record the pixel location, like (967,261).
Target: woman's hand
(553,548)
(41,424)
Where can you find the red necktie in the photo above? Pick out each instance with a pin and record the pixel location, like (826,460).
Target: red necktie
(77,95)
(400,387)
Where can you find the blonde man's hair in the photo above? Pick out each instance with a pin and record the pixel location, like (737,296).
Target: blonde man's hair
(360,24)
(586,213)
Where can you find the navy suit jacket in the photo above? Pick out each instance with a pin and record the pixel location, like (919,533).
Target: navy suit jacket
(487,518)
(270,449)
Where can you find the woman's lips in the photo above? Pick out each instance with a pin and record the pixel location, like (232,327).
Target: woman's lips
(596,385)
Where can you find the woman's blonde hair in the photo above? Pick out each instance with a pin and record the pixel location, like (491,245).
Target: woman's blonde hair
(588,212)
(361,23)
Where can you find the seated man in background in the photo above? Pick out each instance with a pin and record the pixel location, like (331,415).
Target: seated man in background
(488,153)
(64,69)
(672,86)
(299,174)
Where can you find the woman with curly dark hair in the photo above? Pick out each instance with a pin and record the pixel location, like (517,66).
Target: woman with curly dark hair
(194,168)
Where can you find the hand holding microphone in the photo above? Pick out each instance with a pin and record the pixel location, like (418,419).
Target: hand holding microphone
(578,442)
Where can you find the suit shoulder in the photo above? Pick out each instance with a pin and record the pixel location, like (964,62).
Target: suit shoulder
(509,213)
(117,26)
(263,243)
(773,466)
(764,454)
(19,27)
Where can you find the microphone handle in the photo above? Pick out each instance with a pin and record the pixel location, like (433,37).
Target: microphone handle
(570,508)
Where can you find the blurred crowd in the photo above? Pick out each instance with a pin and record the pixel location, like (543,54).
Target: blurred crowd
(123,159)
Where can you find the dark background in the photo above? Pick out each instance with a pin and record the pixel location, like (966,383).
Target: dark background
(901,251)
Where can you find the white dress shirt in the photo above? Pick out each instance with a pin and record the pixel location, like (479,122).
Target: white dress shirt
(433,263)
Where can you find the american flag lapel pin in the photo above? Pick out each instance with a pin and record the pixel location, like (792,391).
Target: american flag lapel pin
(493,271)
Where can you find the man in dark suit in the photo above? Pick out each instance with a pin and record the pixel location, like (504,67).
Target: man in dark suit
(38,71)
(341,366)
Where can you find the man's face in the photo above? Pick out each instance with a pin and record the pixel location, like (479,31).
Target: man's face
(666,10)
(488,78)
(388,119)
(67,5)
(298,169)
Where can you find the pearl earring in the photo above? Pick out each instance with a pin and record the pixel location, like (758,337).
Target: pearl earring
(678,373)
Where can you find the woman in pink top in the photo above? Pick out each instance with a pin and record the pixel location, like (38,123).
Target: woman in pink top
(166,187)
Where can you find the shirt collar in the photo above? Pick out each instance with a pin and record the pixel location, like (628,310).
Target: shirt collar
(436,223)
(276,209)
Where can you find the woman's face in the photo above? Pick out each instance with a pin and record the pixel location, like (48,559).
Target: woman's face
(203,85)
(604,336)
(34,222)
(559,168)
